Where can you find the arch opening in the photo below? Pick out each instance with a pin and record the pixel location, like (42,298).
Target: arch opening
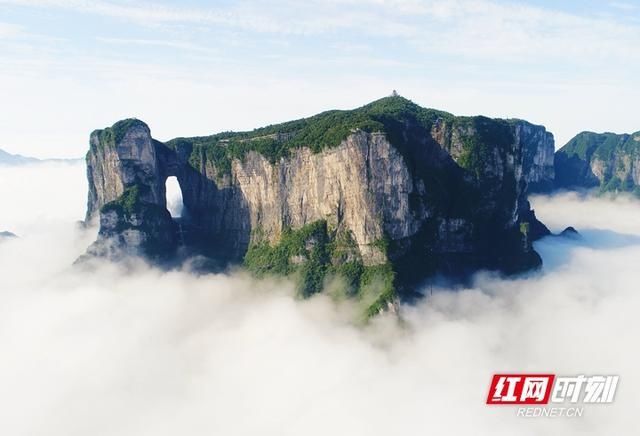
(175,204)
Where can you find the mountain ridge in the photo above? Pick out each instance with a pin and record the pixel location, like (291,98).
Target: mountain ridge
(9,159)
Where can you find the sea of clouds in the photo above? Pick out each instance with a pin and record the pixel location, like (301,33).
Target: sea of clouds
(122,351)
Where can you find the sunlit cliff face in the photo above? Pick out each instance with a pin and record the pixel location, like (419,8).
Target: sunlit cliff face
(137,351)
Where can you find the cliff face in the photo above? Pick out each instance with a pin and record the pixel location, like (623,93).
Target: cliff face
(607,160)
(538,166)
(361,186)
(123,156)
(380,197)
(127,173)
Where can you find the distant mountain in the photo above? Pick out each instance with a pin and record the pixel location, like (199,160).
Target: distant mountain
(8,159)
(608,161)
(15,159)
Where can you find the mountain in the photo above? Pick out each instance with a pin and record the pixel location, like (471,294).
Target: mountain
(8,159)
(382,196)
(15,159)
(608,161)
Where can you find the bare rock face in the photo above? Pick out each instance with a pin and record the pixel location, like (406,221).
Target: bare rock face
(538,167)
(382,196)
(361,186)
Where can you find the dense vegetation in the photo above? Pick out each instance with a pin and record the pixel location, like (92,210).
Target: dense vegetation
(585,145)
(128,203)
(313,254)
(488,135)
(328,129)
(110,136)
(615,151)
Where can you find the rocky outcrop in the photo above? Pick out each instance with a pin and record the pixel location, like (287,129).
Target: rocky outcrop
(127,173)
(120,157)
(383,195)
(607,161)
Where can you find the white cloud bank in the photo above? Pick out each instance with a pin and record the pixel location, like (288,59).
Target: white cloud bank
(115,352)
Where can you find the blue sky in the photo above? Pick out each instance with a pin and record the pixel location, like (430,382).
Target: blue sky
(195,67)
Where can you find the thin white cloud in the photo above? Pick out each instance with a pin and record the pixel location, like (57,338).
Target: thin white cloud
(179,45)
(9,30)
(624,6)
(480,29)
(247,18)
(369,16)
